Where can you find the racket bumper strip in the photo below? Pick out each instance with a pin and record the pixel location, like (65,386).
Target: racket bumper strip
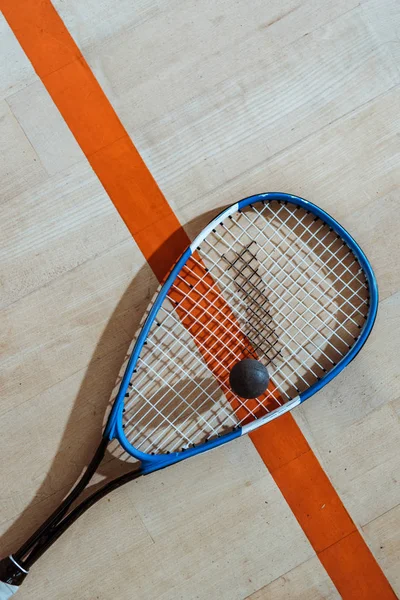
(272,415)
(218,219)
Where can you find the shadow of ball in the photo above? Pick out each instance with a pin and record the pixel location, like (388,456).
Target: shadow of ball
(249,378)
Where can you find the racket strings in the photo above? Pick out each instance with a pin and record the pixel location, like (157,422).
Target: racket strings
(294,370)
(207,351)
(280,296)
(273,283)
(301,315)
(292,356)
(323,296)
(312,236)
(331,272)
(257,306)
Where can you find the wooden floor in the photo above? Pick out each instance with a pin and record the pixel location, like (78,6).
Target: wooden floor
(222,100)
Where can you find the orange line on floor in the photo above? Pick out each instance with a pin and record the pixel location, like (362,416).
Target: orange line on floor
(158,233)
(209,319)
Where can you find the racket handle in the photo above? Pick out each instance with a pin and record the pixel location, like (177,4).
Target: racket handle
(11,577)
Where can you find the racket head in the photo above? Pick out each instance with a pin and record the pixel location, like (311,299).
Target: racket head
(264,216)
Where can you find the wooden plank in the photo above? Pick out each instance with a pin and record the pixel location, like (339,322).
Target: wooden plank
(383,537)
(16,70)
(265,107)
(55,227)
(196,57)
(45,128)
(362,460)
(20,167)
(308,581)
(343,168)
(53,332)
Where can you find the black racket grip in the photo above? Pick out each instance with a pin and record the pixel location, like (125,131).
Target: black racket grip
(11,573)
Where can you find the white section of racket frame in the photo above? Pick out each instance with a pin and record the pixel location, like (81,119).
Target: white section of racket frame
(272,415)
(228,211)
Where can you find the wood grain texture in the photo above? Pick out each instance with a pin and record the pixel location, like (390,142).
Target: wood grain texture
(363,460)
(323,166)
(20,167)
(383,536)
(16,71)
(221,102)
(54,228)
(45,128)
(283,97)
(308,581)
(51,333)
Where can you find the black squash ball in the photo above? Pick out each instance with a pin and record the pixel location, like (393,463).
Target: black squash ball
(249,378)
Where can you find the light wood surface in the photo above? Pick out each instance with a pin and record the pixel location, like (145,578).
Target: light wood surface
(222,101)
(308,581)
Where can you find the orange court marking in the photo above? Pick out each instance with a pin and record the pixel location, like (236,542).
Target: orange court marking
(206,315)
(64,72)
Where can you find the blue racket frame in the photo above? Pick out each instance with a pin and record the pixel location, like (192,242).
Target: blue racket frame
(114,428)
